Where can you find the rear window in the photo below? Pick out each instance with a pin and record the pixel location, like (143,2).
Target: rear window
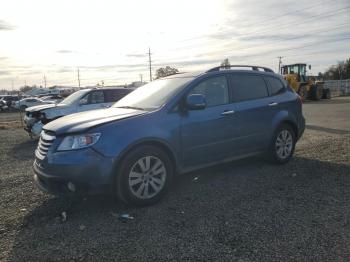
(247,87)
(275,86)
(115,95)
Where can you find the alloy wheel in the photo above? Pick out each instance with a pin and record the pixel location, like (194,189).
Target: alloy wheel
(284,144)
(147,177)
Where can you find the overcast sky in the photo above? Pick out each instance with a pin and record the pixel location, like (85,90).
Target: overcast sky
(108,40)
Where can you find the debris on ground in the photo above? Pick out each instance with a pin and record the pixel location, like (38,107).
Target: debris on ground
(64,216)
(195,179)
(124,217)
(82,227)
(294,174)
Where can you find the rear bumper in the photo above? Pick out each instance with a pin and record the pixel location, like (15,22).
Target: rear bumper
(93,174)
(301,128)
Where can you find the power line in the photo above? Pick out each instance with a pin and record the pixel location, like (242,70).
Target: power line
(274,27)
(78,77)
(150,64)
(279,63)
(45,80)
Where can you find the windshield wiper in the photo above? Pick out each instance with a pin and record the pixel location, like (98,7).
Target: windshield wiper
(131,107)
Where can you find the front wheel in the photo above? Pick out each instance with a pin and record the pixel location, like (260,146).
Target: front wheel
(283,144)
(144,177)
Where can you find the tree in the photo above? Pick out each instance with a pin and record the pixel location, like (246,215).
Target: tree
(339,71)
(225,63)
(166,71)
(26,88)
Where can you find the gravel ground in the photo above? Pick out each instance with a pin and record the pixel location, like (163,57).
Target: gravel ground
(243,211)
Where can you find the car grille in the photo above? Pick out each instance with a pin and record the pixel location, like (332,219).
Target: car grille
(44,145)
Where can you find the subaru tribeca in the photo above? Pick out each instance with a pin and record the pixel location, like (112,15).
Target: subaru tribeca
(170,126)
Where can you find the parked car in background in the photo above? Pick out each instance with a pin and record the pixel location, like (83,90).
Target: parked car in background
(170,126)
(29,102)
(53,98)
(10,100)
(3,105)
(82,100)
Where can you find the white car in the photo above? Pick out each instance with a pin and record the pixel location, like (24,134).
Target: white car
(83,100)
(29,102)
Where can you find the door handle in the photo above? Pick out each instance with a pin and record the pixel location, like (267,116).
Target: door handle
(228,112)
(273,104)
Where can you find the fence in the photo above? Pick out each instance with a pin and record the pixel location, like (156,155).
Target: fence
(338,87)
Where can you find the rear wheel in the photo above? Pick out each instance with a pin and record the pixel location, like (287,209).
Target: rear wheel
(326,94)
(316,92)
(144,177)
(283,144)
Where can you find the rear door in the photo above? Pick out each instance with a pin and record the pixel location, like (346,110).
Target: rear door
(252,114)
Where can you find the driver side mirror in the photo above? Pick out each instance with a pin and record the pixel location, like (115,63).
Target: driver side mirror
(196,102)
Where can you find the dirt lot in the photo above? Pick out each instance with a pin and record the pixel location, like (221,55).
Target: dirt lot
(244,211)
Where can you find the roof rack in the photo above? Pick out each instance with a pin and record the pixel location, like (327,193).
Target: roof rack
(256,68)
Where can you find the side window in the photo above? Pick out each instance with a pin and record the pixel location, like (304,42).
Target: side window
(94,97)
(275,86)
(214,89)
(248,87)
(115,95)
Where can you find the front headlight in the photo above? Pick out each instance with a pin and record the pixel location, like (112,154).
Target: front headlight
(78,141)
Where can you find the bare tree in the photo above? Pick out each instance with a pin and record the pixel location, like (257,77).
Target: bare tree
(225,63)
(166,71)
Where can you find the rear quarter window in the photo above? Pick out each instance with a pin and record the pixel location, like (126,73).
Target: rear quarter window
(275,86)
(247,87)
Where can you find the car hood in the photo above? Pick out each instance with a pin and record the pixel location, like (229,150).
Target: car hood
(79,122)
(42,107)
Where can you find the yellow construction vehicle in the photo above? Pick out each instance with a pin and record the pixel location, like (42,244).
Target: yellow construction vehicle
(306,87)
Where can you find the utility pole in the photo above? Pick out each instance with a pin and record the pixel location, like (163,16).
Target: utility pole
(141,78)
(150,64)
(79,77)
(12,85)
(45,80)
(279,63)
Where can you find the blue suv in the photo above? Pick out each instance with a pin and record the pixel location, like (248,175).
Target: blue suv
(170,126)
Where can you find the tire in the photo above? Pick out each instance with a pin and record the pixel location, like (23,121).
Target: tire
(144,176)
(283,153)
(316,92)
(326,94)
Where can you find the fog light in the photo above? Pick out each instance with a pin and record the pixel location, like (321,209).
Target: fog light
(71,186)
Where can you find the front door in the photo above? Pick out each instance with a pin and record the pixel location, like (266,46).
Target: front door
(206,134)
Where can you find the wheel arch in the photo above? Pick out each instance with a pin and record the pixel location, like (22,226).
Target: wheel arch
(164,146)
(284,117)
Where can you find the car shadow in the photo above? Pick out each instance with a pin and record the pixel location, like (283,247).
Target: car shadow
(24,151)
(293,209)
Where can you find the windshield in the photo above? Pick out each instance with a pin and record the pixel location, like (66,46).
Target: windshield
(154,94)
(73,97)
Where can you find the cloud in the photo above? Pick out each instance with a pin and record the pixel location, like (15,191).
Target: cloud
(136,55)
(4,73)
(65,51)
(4,26)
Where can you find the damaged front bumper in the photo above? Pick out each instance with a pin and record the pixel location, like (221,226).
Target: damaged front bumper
(33,126)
